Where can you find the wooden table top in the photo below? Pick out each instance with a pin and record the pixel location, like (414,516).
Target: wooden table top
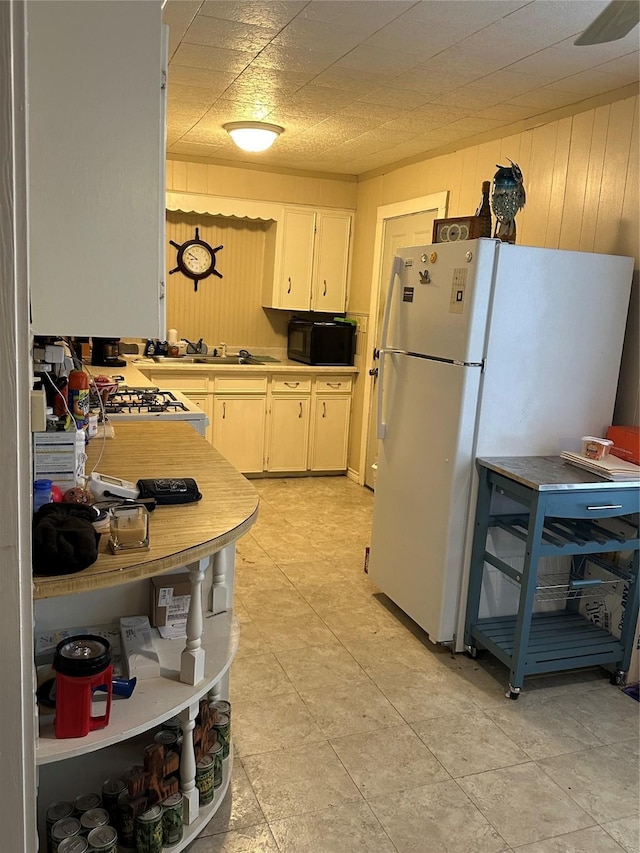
(178,535)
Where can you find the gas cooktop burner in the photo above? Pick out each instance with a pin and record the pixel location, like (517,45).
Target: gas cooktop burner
(137,400)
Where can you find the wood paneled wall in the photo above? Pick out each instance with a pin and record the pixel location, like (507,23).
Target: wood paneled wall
(223,309)
(581,178)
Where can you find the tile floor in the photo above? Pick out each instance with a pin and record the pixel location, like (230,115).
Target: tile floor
(353,733)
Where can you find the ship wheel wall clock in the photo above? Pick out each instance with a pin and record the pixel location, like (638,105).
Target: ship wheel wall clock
(196,259)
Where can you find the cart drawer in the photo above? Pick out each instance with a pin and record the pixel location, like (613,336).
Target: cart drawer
(601,503)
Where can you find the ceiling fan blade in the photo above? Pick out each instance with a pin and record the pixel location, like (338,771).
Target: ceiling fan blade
(614,22)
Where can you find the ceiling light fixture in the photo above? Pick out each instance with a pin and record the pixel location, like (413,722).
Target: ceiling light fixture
(253,135)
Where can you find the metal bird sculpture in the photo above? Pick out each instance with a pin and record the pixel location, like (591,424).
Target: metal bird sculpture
(507,198)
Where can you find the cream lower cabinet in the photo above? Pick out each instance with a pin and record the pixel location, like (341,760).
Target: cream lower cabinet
(239,420)
(289,408)
(329,432)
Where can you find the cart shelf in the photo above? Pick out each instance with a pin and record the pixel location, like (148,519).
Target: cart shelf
(565,513)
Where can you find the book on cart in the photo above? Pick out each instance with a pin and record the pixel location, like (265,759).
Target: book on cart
(610,467)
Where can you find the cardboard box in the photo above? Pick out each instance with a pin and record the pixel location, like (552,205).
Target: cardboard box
(170,597)
(626,443)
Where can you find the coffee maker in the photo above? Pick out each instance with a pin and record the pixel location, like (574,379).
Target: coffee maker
(105,352)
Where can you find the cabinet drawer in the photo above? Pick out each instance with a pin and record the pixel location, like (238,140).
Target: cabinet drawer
(334,384)
(180,380)
(240,384)
(288,384)
(600,503)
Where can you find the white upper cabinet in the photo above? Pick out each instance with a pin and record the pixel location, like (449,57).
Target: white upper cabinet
(96,162)
(311,261)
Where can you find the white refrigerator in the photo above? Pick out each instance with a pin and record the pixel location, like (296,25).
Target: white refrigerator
(487,349)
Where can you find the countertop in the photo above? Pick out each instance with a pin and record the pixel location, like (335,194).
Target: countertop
(550,473)
(283,366)
(178,534)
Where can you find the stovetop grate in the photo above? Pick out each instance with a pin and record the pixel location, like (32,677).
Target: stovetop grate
(139,400)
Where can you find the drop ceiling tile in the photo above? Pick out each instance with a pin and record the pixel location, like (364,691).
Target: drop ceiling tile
(543,99)
(420,37)
(555,62)
(213,58)
(469,125)
(193,96)
(505,113)
(434,78)
(605,51)
(469,96)
(468,13)
(311,97)
(589,83)
(304,34)
(210,82)
(285,59)
(410,123)
(350,80)
(554,20)
(508,82)
(194,149)
(402,98)
(443,113)
(368,15)
(628,64)
(227,110)
(272,14)
(366,58)
(230,35)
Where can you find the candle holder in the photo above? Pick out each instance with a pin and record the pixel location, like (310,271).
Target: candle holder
(128,528)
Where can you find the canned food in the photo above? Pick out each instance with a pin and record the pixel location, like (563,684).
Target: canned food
(204,779)
(221,706)
(172,819)
(168,739)
(149,831)
(173,724)
(126,824)
(56,812)
(84,802)
(77,844)
(223,729)
(92,819)
(111,790)
(216,752)
(67,827)
(104,839)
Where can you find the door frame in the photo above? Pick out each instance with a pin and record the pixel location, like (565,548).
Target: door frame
(421,204)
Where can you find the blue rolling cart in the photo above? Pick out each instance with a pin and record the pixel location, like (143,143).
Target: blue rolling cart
(555,510)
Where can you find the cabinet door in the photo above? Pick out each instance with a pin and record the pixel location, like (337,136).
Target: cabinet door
(239,429)
(331,262)
(297,259)
(96,159)
(288,434)
(205,403)
(330,433)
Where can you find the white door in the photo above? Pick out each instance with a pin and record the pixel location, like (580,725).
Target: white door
(414,229)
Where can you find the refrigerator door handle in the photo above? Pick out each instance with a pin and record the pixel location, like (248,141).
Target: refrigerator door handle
(396,269)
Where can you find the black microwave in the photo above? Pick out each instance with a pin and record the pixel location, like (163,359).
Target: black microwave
(313,342)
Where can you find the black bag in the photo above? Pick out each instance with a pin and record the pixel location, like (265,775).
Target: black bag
(170,490)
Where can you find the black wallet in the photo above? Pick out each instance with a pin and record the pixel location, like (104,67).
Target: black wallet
(170,490)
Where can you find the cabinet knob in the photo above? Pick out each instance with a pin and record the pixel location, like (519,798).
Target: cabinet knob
(324,410)
(324,293)
(300,415)
(289,288)
(224,410)
(292,384)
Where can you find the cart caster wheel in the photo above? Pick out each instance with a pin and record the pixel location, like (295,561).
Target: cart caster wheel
(471,651)
(617,678)
(513,693)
